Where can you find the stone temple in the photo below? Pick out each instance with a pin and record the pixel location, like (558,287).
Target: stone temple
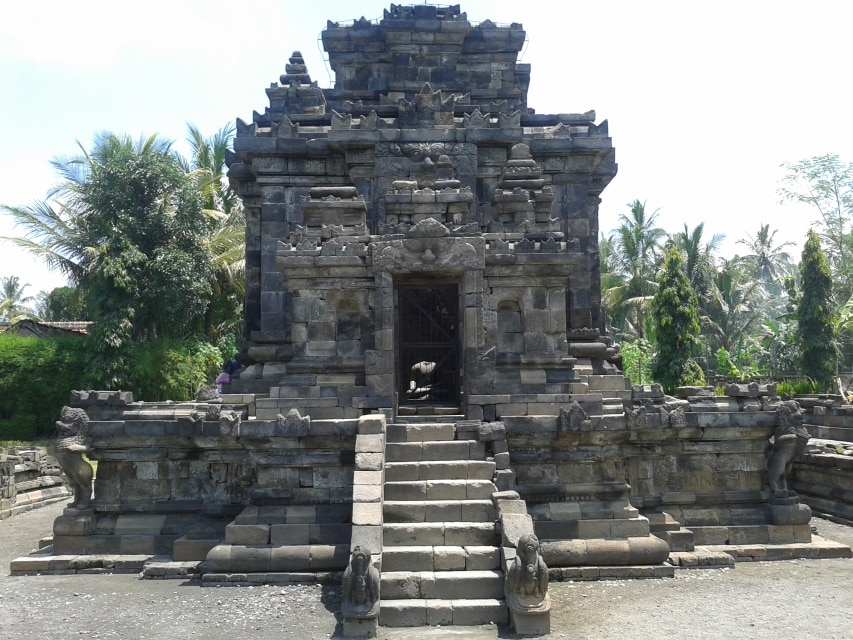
(431,415)
(419,211)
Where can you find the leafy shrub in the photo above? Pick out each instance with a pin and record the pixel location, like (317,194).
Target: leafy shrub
(796,387)
(38,374)
(692,374)
(172,369)
(637,360)
(725,366)
(36,380)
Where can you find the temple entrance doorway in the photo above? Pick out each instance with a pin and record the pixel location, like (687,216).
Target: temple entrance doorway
(428,362)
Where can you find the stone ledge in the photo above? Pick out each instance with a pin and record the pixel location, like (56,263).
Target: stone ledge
(44,563)
(246,579)
(716,556)
(167,569)
(582,574)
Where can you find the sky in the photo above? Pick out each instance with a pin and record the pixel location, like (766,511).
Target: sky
(705,99)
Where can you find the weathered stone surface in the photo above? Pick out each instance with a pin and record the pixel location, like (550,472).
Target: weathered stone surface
(422,245)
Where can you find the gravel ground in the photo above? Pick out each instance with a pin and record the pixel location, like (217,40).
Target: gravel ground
(787,599)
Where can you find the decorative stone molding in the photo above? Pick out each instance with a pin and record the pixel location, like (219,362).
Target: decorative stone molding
(429,253)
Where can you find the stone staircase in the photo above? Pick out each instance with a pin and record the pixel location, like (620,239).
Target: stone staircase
(441,561)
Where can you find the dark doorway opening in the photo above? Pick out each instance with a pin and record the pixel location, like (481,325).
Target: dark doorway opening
(428,355)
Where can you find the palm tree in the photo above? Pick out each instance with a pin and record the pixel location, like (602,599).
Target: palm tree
(13,302)
(734,311)
(228,239)
(61,230)
(770,261)
(698,257)
(635,245)
(56,234)
(64,234)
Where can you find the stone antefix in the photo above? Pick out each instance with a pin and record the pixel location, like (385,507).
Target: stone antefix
(427,374)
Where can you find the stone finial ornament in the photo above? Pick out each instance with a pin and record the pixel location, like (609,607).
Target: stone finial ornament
(229,423)
(73,442)
(360,586)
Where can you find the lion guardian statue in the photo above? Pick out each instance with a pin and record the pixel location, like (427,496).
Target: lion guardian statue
(73,442)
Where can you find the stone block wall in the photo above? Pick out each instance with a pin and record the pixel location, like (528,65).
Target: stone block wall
(823,477)
(678,466)
(173,470)
(29,478)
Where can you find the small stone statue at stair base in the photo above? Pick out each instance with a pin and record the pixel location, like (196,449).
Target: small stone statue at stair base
(527,581)
(360,586)
(789,441)
(526,589)
(72,443)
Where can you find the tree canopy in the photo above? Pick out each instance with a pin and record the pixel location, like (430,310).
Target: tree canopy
(676,326)
(816,315)
(135,228)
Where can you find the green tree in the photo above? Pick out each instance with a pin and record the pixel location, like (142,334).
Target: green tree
(826,183)
(62,304)
(635,247)
(14,304)
(150,277)
(768,260)
(676,326)
(127,225)
(698,256)
(733,312)
(227,240)
(816,315)
(59,230)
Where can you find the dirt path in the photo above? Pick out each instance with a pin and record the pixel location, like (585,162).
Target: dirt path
(763,600)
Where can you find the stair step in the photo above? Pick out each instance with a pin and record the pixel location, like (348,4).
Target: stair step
(422,612)
(421,432)
(438,533)
(438,511)
(441,558)
(440,450)
(439,470)
(440,490)
(451,585)
(429,419)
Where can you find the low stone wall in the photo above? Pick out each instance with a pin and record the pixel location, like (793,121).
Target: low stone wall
(29,479)
(185,470)
(827,418)
(182,478)
(823,478)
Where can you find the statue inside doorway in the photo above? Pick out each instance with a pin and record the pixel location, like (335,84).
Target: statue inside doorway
(421,382)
